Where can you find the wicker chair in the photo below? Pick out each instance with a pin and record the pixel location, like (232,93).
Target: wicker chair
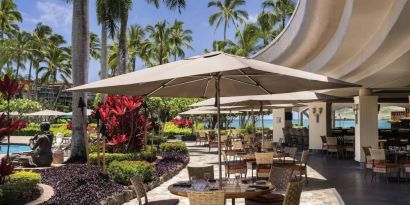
(324,143)
(264,163)
(381,166)
(201,137)
(198,172)
(206,198)
(234,167)
(267,145)
(333,147)
(139,189)
(291,152)
(280,178)
(293,192)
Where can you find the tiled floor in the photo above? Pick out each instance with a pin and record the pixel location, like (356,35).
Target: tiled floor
(317,192)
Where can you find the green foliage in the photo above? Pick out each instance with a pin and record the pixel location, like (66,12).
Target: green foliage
(33,129)
(249,128)
(121,172)
(110,157)
(20,187)
(170,128)
(21,106)
(149,154)
(178,147)
(169,107)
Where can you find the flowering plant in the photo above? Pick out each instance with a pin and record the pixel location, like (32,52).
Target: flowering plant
(124,122)
(182,122)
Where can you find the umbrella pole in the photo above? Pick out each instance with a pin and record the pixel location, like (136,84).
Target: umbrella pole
(218,95)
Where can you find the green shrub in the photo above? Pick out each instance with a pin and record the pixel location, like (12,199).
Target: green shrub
(179,147)
(20,188)
(34,128)
(170,128)
(121,172)
(110,157)
(149,154)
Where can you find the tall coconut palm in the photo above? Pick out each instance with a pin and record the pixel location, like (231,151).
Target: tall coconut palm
(136,36)
(9,16)
(266,23)
(171,4)
(23,48)
(246,41)
(124,6)
(283,8)
(95,48)
(57,64)
(180,40)
(227,13)
(106,16)
(158,47)
(80,52)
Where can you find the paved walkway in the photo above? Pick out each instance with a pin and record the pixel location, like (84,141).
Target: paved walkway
(317,192)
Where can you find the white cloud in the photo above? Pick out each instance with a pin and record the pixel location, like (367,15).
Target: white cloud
(252,18)
(56,14)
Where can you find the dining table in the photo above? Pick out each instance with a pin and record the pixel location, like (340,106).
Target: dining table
(232,188)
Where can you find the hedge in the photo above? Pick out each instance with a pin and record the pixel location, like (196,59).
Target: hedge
(122,172)
(149,154)
(20,188)
(178,147)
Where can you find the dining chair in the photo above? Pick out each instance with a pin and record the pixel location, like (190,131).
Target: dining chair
(267,145)
(381,166)
(264,163)
(293,192)
(290,152)
(201,137)
(140,191)
(349,145)
(367,160)
(199,172)
(333,146)
(206,198)
(324,143)
(234,167)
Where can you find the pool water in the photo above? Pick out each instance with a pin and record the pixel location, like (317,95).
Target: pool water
(14,148)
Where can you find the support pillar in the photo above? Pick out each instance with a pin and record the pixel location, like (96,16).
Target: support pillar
(366,129)
(320,123)
(280,121)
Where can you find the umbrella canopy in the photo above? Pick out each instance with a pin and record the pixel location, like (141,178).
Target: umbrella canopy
(197,111)
(89,112)
(255,101)
(46,113)
(14,113)
(197,76)
(214,74)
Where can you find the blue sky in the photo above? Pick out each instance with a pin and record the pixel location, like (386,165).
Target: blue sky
(58,15)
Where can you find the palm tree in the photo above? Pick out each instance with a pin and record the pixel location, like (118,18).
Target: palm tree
(246,41)
(80,52)
(22,46)
(9,16)
(158,47)
(266,23)
(57,64)
(123,8)
(95,46)
(283,8)
(136,36)
(227,12)
(171,4)
(106,16)
(180,39)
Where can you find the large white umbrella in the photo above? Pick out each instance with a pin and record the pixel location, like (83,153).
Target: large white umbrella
(197,111)
(46,113)
(214,74)
(89,112)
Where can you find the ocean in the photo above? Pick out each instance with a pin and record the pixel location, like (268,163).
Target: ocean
(383,124)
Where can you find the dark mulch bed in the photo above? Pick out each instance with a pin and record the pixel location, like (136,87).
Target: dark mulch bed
(72,185)
(169,163)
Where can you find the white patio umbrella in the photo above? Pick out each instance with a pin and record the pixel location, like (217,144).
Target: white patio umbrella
(197,111)
(89,112)
(214,74)
(46,113)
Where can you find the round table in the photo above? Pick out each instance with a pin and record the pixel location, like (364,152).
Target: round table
(232,191)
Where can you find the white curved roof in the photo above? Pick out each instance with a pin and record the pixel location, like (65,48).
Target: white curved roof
(360,41)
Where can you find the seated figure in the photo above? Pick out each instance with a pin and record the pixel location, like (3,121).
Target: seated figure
(41,145)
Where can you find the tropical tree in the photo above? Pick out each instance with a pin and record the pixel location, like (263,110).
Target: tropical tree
(136,36)
(22,47)
(246,41)
(158,47)
(57,62)
(266,24)
(95,46)
(124,6)
(9,16)
(80,53)
(227,13)
(180,39)
(282,8)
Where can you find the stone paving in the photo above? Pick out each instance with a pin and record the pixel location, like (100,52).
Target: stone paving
(316,192)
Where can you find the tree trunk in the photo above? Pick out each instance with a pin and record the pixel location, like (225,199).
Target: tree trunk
(30,96)
(17,67)
(122,44)
(225,26)
(80,55)
(104,56)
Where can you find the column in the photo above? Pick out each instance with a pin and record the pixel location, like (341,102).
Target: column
(320,123)
(281,120)
(366,129)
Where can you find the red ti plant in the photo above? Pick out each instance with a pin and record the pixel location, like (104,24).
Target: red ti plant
(182,122)
(8,89)
(124,121)
(5,169)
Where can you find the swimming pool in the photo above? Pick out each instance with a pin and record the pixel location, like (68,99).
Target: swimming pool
(14,148)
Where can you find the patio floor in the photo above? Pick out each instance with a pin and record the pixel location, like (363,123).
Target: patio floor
(319,191)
